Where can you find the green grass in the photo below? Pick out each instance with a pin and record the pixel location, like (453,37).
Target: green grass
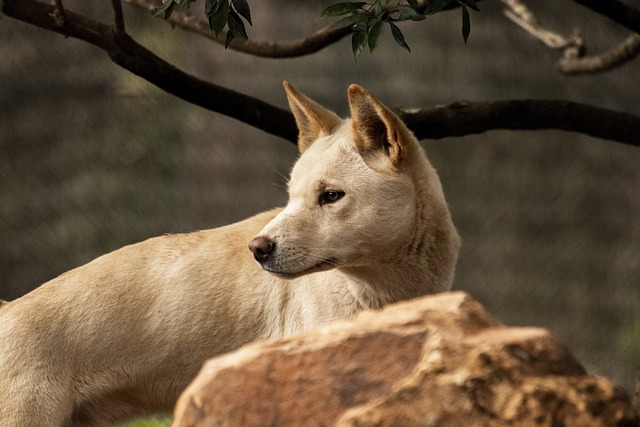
(150,422)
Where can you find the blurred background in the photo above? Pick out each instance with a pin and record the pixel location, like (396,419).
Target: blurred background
(93,158)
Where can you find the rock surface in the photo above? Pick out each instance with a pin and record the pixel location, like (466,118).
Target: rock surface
(440,361)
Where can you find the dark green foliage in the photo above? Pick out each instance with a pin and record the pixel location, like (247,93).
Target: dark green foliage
(339,9)
(398,37)
(220,14)
(466,24)
(366,20)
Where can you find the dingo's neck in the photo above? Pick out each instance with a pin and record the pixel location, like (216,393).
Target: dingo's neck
(375,287)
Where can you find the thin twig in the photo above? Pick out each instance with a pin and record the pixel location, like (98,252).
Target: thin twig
(521,11)
(614,57)
(520,14)
(118,17)
(573,60)
(268,49)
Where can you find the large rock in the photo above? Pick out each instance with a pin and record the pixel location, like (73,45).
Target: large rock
(437,361)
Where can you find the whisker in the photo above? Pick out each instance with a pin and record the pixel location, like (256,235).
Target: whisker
(284,179)
(283,186)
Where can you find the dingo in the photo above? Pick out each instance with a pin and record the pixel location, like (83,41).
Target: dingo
(366,225)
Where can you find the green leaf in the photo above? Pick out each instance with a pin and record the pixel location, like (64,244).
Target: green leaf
(358,42)
(360,26)
(218,13)
(341,9)
(236,26)
(403,13)
(466,24)
(397,36)
(229,39)
(242,7)
(212,6)
(378,9)
(375,35)
(351,20)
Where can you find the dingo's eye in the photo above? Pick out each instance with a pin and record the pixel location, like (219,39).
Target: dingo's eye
(330,196)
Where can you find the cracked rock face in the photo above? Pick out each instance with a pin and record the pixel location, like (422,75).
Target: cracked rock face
(440,360)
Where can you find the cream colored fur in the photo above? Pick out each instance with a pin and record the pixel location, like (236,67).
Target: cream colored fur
(366,225)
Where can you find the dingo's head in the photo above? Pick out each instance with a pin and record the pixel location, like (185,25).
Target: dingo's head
(361,194)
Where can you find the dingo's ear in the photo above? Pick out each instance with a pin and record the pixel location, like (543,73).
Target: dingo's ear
(376,128)
(313,120)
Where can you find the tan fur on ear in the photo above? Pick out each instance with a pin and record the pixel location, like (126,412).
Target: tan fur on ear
(376,127)
(313,120)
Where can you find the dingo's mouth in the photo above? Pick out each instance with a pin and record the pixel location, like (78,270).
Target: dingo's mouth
(324,265)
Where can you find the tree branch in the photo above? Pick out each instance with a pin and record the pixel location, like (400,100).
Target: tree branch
(517,12)
(457,119)
(628,49)
(268,49)
(465,118)
(574,60)
(124,51)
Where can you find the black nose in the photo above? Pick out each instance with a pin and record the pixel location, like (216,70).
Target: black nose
(261,247)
